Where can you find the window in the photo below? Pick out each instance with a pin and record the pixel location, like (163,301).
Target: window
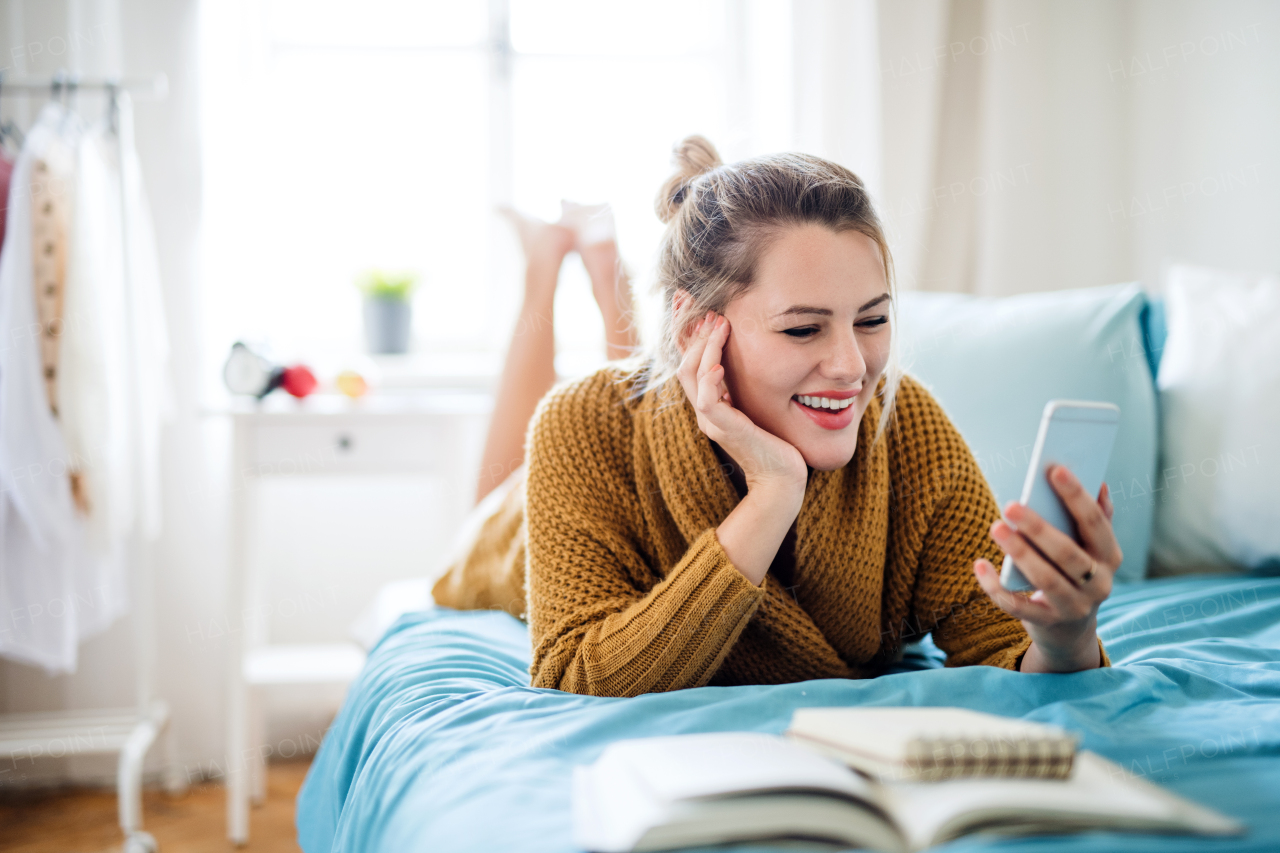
(341,136)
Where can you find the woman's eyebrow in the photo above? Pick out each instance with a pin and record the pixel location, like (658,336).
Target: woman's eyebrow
(805,309)
(827,312)
(884,297)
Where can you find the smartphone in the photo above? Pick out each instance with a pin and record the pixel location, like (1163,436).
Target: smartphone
(1078,435)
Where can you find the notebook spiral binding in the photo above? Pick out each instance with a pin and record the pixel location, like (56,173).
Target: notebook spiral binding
(952,757)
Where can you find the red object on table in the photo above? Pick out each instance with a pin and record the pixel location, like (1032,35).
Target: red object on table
(298,381)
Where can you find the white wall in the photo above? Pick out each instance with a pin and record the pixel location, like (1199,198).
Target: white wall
(1043,145)
(1205,146)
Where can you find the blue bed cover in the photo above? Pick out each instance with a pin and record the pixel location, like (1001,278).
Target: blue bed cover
(442,745)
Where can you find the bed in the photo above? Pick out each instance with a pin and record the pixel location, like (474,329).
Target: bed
(443,746)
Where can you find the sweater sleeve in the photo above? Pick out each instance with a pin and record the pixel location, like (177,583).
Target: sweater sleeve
(966,623)
(602,621)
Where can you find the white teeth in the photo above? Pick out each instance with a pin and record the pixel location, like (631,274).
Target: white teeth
(824,402)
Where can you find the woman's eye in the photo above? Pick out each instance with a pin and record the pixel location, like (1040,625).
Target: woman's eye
(801,331)
(872,322)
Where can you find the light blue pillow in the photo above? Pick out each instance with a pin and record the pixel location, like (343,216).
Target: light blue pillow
(994,362)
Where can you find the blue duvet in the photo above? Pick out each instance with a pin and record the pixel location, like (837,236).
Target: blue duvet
(443,746)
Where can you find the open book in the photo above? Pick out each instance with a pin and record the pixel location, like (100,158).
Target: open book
(931,744)
(691,790)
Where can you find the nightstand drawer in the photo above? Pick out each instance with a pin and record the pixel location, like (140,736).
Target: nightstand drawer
(290,449)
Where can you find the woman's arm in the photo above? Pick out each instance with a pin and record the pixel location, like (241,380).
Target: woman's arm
(775,471)
(947,599)
(752,533)
(603,619)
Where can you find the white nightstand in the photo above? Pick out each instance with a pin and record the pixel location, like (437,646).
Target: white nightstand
(416,432)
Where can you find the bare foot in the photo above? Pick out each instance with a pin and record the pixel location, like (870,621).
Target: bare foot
(593,229)
(591,223)
(542,242)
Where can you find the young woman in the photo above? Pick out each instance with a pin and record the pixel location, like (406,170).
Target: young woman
(765,498)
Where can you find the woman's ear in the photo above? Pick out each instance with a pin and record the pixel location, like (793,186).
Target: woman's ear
(681,302)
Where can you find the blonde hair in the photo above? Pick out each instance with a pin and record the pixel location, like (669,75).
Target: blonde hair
(720,218)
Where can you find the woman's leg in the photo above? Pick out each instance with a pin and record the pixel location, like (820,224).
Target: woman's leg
(598,247)
(529,370)
(612,289)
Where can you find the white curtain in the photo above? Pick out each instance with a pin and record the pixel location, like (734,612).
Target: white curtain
(1042,145)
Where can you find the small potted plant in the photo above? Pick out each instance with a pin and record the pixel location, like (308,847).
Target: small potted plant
(388,313)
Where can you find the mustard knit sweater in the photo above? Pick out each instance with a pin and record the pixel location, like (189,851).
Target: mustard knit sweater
(629,591)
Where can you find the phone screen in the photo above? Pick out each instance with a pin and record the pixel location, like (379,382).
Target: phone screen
(1080,436)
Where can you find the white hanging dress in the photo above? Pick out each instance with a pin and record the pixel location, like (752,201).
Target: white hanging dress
(113,395)
(62,566)
(40,539)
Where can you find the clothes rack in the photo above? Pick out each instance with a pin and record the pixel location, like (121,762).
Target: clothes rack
(129,731)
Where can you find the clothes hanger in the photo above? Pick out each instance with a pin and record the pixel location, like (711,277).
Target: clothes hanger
(113,108)
(9,130)
(65,87)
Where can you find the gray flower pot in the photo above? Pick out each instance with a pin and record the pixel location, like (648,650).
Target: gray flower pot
(386,324)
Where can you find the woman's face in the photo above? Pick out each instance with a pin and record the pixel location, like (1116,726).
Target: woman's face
(809,341)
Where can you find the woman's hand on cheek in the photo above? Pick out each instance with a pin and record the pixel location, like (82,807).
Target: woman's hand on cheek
(766,460)
(1071,579)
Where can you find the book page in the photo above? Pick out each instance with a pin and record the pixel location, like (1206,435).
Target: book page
(638,785)
(760,817)
(1098,794)
(729,763)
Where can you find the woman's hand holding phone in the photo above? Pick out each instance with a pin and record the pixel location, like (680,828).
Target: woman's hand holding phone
(1071,579)
(775,471)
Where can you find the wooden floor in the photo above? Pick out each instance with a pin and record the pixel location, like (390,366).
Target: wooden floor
(85,821)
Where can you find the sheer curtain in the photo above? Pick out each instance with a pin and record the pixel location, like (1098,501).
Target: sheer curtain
(1037,146)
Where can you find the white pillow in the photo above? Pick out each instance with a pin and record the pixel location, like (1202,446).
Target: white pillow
(1218,503)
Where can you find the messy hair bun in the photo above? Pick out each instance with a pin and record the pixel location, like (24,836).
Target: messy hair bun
(692,156)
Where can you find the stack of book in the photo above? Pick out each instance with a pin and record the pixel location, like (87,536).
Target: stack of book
(890,779)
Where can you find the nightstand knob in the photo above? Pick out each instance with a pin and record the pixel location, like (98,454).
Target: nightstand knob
(345,442)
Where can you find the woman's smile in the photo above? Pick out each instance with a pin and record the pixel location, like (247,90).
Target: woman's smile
(829,409)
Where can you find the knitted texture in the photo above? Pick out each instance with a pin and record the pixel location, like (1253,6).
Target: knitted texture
(487,571)
(629,590)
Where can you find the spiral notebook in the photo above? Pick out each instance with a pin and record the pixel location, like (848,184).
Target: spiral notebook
(932,744)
